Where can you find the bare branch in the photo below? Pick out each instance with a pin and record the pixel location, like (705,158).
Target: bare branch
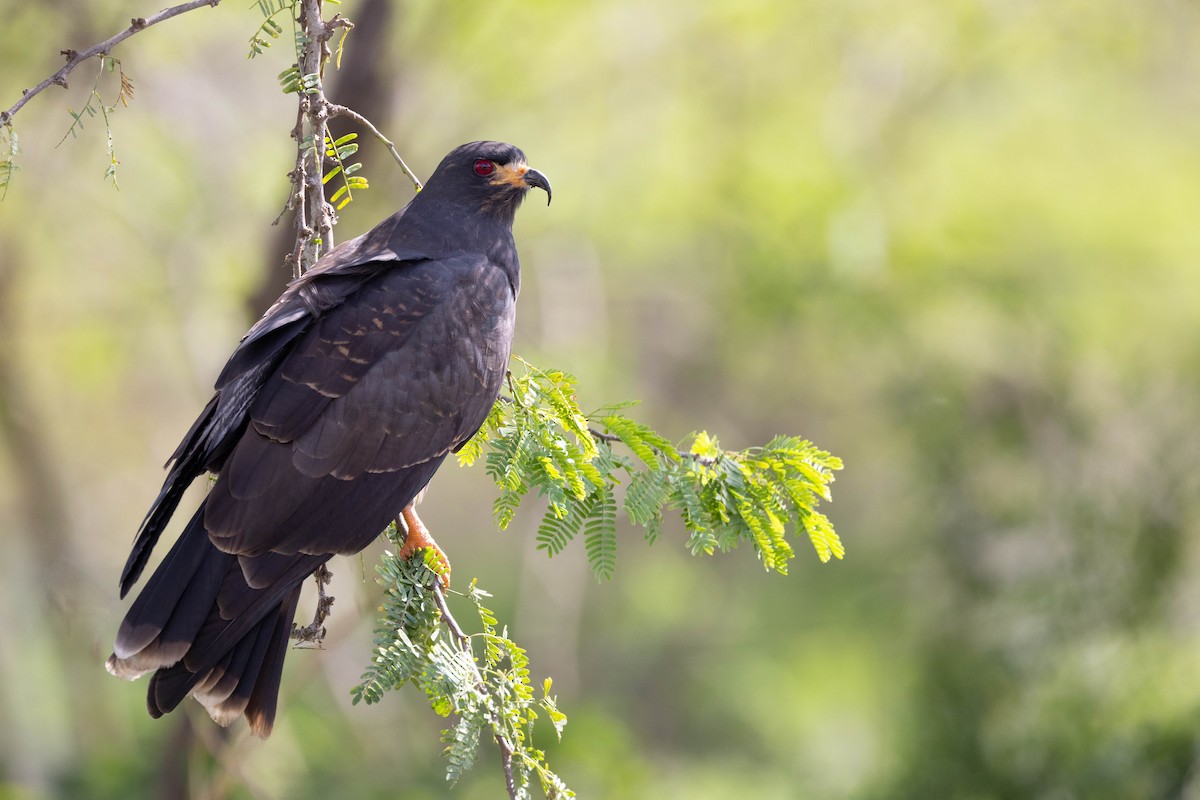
(342,111)
(314,215)
(314,632)
(297,202)
(75,58)
(611,438)
(439,597)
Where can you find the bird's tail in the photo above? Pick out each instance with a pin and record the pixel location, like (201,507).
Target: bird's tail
(204,630)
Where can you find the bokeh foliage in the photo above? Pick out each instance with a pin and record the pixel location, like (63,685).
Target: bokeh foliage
(954,242)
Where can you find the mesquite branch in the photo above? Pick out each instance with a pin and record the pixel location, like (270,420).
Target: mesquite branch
(314,216)
(464,644)
(342,111)
(77,57)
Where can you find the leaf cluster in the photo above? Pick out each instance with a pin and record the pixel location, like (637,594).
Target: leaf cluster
(292,81)
(539,439)
(270,28)
(339,151)
(483,678)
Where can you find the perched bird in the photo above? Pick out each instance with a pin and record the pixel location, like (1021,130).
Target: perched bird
(329,418)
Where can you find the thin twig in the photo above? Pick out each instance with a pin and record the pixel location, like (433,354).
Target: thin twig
(707,461)
(343,111)
(439,597)
(611,438)
(75,58)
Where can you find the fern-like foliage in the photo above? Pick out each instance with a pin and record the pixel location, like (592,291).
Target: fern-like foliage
(339,151)
(270,28)
(10,148)
(539,439)
(483,679)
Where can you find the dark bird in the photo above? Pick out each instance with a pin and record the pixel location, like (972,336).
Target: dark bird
(329,418)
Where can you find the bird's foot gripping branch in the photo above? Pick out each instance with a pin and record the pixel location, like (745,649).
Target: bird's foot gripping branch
(539,438)
(482,678)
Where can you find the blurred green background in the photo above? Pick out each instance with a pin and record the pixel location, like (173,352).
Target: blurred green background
(955,242)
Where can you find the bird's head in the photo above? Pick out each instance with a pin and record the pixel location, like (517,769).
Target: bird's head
(491,176)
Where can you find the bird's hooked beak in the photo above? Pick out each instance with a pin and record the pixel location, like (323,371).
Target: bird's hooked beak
(534,178)
(521,176)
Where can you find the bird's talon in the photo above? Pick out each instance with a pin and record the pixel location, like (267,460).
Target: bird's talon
(417,538)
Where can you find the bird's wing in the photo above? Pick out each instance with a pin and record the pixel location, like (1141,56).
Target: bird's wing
(360,411)
(208,442)
(336,276)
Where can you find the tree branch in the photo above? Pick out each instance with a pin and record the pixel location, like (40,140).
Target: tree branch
(75,58)
(342,111)
(314,216)
(314,632)
(464,644)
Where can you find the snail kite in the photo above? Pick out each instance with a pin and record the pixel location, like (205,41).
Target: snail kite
(329,418)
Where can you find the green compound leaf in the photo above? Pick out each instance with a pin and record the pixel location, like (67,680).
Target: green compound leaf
(492,693)
(538,439)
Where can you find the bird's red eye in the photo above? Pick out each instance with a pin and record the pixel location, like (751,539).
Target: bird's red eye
(484,167)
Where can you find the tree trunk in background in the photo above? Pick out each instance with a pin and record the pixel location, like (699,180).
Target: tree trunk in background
(37,479)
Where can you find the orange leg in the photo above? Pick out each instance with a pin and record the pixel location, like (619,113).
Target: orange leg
(417,538)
